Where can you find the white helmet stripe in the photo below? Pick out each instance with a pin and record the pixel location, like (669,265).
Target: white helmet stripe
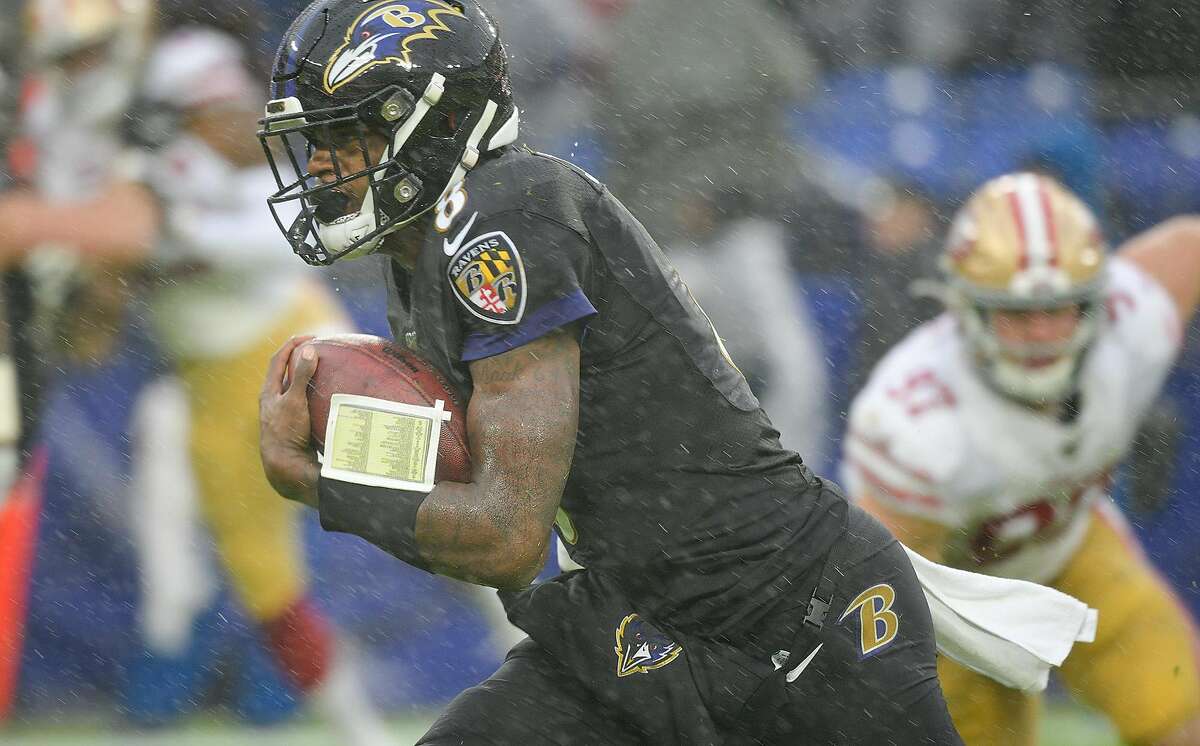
(429,99)
(470,154)
(1034,222)
(1048,212)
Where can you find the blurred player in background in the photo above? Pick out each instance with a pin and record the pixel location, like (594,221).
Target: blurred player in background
(76,81)
(988,437)
(18,509)
(738,268)
(224,293)
(715,197)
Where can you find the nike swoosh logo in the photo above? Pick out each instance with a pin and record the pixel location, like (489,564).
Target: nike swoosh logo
(451,247)
(795,672)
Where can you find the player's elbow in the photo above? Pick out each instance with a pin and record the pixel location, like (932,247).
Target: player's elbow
(142,219)
(1184,232)
(514,576)
(515,560)
(1170,253)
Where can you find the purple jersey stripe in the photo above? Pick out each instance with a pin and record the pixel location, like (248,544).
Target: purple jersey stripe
(545,319)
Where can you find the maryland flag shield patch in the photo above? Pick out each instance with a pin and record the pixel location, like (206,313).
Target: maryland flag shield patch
(487,277)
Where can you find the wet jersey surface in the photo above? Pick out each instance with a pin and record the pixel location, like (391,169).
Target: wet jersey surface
(679,488)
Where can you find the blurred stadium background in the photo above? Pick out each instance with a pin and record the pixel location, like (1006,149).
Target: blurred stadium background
(894,109)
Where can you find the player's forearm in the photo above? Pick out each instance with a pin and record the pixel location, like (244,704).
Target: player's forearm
(458,530)
(521,424)
(478,538)
(924,537)
(121,225)
(1170,253)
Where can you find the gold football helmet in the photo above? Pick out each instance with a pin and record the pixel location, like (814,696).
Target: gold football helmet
(60,28)
(90,52)
(1023,242)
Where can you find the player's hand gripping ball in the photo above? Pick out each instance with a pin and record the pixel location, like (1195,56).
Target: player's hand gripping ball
(372,366)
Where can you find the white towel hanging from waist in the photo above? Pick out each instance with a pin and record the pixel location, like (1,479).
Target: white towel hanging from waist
(1012,631)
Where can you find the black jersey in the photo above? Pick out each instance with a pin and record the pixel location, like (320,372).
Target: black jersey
(679,489)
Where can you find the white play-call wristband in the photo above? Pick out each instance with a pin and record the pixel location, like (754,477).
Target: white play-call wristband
(382,443)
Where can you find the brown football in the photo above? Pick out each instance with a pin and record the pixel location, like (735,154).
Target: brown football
(372,366)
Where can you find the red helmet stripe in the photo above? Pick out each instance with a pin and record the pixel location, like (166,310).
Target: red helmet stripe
(1014,201)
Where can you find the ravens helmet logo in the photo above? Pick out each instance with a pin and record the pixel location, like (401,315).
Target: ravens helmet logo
(384,34)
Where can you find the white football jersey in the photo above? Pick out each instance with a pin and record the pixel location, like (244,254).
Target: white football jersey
(928,437)
(230,277)
(75,160)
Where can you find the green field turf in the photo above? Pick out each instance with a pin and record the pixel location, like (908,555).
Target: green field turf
(204,731)
(1065,725)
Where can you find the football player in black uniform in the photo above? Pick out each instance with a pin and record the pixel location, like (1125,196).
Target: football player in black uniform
(730,595)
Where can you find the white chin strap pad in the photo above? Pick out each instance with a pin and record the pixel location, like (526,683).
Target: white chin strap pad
(344,231)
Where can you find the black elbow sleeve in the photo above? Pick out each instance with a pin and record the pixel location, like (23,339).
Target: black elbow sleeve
(387,518)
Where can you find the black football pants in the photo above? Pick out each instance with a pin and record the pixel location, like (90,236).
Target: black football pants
(871,680)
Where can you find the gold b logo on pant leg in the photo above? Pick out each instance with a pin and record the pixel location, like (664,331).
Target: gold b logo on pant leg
(878,624)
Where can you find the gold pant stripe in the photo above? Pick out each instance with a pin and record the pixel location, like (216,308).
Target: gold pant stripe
(1141,671)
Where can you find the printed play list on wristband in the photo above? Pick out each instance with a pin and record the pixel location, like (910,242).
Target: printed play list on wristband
(382,443)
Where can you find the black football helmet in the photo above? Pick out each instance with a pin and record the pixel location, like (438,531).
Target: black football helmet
(429,76)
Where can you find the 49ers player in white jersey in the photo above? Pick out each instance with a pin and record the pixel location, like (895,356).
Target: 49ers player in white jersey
(987,437)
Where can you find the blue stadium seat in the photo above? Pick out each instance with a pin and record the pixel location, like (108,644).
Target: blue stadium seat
(902,121)
(948,134)
(1153,167)
(1015,116)
(1170,533)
